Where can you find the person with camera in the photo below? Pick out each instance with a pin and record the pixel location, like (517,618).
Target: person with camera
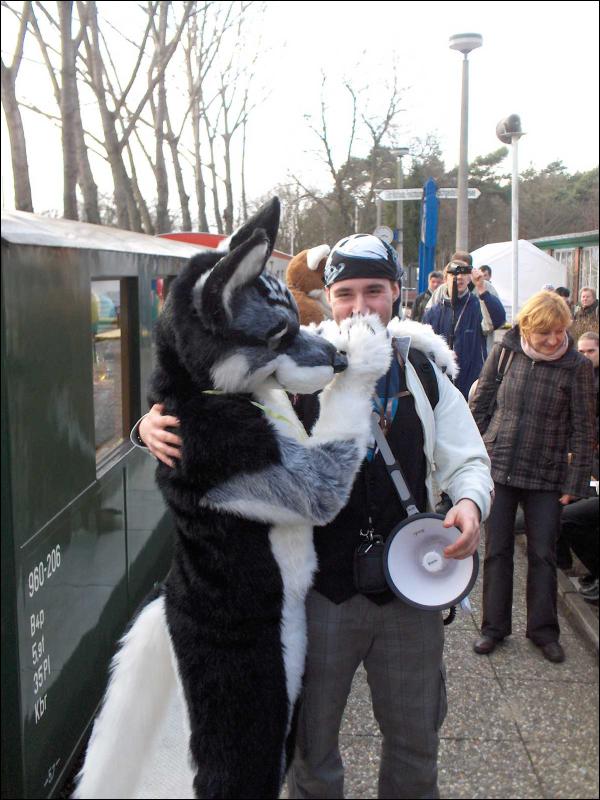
(456,314)
(431,432)
(534,406)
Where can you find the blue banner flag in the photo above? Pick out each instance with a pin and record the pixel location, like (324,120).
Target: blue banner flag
(428,227)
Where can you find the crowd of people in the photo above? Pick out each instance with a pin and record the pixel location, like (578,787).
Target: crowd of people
(528,437)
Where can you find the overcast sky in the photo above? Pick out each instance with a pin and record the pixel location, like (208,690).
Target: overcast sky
(539,60)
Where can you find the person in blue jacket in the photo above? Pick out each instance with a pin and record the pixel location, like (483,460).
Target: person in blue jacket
(457,316)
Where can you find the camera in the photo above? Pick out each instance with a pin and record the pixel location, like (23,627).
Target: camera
(455,268)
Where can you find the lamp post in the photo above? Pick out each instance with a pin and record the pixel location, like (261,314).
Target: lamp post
(464,43)
(399,153)
(508,130)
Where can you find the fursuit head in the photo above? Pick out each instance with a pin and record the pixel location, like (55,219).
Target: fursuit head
(228,625)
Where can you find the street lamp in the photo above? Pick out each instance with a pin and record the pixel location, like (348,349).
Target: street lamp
(399,153)
(508,130)
(464,43)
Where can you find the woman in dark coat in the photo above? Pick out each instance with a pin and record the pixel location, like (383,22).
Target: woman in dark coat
(539,433)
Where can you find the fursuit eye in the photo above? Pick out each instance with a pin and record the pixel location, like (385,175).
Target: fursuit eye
(275,340)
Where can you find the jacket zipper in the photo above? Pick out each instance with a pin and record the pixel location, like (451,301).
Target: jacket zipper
(521,417)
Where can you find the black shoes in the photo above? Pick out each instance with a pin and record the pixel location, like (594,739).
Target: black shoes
(485,645)
(553,652)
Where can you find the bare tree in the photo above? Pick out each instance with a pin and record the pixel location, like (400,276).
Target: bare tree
(343,201)
(159,113)
(14,122)
(379,128)
(207,28)
(128,215)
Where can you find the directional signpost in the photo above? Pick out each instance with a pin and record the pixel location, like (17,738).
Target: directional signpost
(427,242)
(417,194)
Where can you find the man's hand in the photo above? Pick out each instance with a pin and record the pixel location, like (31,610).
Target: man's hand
(162,444)
(565,499)
(478,280)
(466,517)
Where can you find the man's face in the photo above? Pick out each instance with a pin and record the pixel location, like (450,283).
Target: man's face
(462,281)
(363,296)
(434,282)
(589,349)
(485,273)
(587,298)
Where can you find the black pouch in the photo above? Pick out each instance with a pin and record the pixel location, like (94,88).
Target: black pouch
(369,577)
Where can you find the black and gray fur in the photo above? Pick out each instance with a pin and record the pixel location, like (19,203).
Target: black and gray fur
(245,495)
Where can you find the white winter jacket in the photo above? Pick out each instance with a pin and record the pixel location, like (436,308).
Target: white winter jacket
(457,461)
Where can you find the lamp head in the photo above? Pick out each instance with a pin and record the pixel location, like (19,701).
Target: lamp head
(508,127)
(465,42)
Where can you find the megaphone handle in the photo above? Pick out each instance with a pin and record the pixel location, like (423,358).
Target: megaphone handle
(408,501)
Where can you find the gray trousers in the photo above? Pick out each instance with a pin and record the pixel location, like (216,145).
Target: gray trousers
(401,648)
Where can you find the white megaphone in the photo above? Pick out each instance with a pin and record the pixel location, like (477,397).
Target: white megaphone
(414,564)
(416,569)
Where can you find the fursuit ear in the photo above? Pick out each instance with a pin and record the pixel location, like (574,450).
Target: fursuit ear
(317,256)
(267,218)
(212,296)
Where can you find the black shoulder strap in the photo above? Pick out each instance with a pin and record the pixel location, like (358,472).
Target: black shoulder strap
(504,362)
(426,373)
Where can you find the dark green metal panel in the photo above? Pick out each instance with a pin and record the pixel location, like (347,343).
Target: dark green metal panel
(80,548)
(11,764)
(72,605)
(149,528)
(49,366)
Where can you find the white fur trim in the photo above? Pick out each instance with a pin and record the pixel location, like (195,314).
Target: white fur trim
(294,552)
(231,374)
(199,285)
(301,380)
(315,255)
(139,690)
(367,345)
(225,245)
(259,510)
(424,338)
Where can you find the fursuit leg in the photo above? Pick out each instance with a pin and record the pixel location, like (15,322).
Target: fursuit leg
(139,689)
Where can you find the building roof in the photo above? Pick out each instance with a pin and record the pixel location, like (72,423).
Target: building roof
(21,227)
(566,240)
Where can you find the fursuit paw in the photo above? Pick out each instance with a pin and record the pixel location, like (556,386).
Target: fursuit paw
(365,342)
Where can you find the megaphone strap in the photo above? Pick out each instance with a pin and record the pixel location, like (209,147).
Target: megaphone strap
(393,467)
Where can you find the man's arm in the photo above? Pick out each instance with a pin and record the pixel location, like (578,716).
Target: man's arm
(492,303)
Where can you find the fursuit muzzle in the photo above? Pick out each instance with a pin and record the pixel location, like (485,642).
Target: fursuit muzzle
(228,626)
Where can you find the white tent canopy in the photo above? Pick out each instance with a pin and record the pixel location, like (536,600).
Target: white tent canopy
(536,268)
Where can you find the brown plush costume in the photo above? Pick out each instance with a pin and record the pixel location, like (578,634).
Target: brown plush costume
(304,278)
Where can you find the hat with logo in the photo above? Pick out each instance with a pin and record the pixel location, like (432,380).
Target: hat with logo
(361,255)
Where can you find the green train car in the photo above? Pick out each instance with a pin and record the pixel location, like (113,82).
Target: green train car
(85,533)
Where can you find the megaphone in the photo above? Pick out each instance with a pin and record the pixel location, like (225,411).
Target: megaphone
(416,569)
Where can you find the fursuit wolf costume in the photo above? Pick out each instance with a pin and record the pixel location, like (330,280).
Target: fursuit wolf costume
(229,622)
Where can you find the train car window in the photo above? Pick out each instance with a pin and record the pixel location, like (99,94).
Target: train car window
(159,291)
(159,295)
(107,348)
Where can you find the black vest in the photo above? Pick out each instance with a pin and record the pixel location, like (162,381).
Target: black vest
(373,490)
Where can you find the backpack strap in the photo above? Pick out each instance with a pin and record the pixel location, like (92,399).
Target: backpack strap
(504,362)
(424,369)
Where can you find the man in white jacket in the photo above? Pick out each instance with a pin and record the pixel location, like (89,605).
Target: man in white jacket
(435,440)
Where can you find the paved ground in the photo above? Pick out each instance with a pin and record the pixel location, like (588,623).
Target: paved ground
(517,726)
